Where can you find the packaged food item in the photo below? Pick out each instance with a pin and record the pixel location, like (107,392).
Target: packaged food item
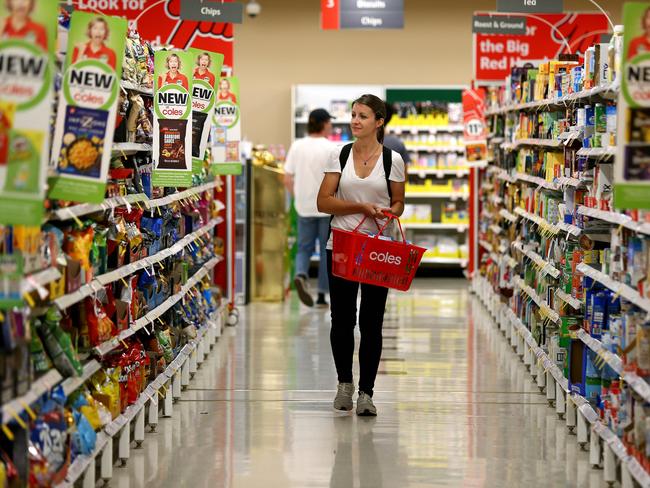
(58,345)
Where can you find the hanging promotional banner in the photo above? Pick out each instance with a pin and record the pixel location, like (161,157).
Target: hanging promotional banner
(207,71)
(85,124)
(474,127)
(172,126)
(495,54)
(226,130)
(168,29)
(362,14)
(27,43)
(632,166)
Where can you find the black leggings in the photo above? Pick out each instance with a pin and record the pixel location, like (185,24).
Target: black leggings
(343,299)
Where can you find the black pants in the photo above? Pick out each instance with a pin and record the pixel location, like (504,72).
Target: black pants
(343,299)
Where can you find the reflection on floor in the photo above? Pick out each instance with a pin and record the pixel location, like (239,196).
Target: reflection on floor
(456,408)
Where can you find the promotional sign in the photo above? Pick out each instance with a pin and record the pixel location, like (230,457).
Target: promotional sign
(362,14)
(213,11)
(27,42)
(172,130)
(207,71)
(632,167)
(226,130)
(496,54)
(474,127)
(168,28)
(531,6)
(81,153)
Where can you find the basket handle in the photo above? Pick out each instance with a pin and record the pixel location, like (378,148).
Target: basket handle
(389,217)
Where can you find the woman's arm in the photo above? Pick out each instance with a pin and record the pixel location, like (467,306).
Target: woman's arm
(329,204)
(397,201)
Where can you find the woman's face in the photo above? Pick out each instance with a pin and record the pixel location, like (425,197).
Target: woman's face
(173,63)
(224,86)
(204,61)
(646,22)
(20,8)
(363,123)
(98,32)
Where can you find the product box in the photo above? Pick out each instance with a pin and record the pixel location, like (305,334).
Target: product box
(577,367)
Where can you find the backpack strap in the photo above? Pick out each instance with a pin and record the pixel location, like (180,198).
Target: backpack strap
(388,166)
(344,155)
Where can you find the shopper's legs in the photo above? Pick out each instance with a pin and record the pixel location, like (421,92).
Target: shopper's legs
(323,236)
(343,305)
(307,234)
(371,319)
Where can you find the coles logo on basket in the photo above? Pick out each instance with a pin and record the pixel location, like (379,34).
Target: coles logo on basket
(385,257)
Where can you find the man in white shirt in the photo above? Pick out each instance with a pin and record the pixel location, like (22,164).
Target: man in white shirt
(304,171)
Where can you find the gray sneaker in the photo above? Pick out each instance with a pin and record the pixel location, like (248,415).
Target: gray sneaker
(302,287)
(343,400)
(365,407)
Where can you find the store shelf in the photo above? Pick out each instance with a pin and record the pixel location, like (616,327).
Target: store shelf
(438,173)
(544,266)
(155,314)
(504,176)
(479,164)
(432,260)
(542,223)
(73,384)
(544,308)
(566,298)
(450,195)
(432,129)
(508,216)
(37,281)
(184,195)
(486,245)
(615,218)
(98,283)
(435,226)
(597,152)
(607,90)
(127,85)
(536,180)
(565,181)
(627,292)
(41,386)
(435,149)
(496,229)
(549,143)
(129,148)
(571,230)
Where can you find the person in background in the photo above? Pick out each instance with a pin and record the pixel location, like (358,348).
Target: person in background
(393,142)
(641,44)
(304,171)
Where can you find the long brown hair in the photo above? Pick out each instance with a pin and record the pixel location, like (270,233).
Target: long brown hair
(378,107)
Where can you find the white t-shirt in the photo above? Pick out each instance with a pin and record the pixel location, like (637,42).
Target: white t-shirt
(306,159)
(372,189)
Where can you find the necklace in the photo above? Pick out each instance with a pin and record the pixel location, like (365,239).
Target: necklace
(365,162)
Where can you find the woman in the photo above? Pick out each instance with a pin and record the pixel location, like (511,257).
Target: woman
(360,190)
(202,72)
(96,48)
(173,75)
(225,93)
(641,44)
(19,24)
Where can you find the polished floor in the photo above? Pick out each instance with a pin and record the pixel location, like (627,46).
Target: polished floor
(456,408)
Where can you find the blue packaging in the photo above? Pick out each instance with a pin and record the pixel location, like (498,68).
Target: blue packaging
(598,313)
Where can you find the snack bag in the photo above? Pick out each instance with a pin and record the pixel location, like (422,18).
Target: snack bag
(84,437)
(58,345)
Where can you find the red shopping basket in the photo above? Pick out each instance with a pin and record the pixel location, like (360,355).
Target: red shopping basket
(375,261)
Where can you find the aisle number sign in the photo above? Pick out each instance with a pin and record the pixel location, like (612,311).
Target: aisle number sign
(172,134)
(226,130)
(632,167)
(207,70)
(87,110)
(26,89)
(362,14)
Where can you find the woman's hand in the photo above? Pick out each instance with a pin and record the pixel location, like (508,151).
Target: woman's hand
(373,211)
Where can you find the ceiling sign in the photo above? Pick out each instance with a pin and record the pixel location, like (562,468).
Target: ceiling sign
(362,14)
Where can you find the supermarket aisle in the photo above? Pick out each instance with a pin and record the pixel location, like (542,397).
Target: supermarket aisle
(456,408)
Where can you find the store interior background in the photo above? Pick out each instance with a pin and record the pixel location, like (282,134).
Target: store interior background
(286,46)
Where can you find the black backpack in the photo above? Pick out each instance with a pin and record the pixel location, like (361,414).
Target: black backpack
(388,164)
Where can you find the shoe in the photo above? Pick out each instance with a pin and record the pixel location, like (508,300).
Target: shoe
(365,407)
(302,287)
(321,302)
(343,399)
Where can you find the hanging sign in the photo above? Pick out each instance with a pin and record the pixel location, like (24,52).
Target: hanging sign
(474,127)
(213,11)
(27,42)
(168,27)
(83,136)
(207,70)
(226,130)
(495,54)
(632,167)
(362,14)
(531,6)
(172,131)
(498,24)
